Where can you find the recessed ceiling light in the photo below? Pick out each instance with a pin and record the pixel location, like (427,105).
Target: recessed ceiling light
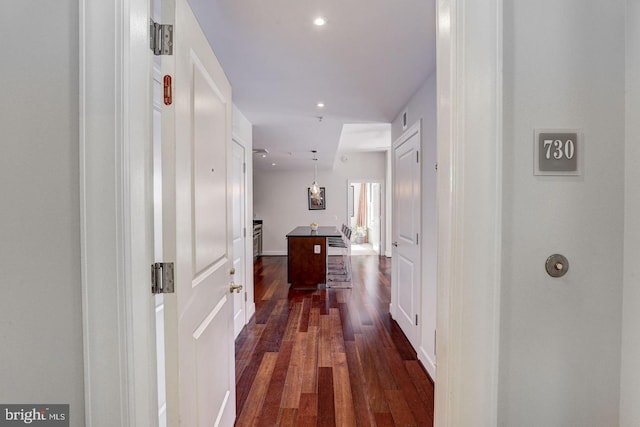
(273,164)
(320,104)
(319,21)
(264,155)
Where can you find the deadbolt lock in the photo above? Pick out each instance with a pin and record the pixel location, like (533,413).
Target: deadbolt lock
(557,265)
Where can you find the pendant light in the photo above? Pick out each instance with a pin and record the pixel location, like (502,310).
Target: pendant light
(315,188)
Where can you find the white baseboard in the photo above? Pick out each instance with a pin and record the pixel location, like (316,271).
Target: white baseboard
(274,253)
(428,362)
(251,310)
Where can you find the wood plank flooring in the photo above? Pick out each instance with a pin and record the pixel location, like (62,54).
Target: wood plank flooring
(329,357)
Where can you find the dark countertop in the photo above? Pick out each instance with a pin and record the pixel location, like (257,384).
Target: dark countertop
(305,231)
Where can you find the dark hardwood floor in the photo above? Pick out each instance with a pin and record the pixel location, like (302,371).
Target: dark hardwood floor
(328,357)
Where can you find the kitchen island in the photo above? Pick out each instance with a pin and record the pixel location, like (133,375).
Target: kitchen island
(307,256)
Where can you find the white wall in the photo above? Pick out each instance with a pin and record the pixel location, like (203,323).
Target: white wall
(422,106)
(630,374)
(560,338)
(280,198)
(40,305)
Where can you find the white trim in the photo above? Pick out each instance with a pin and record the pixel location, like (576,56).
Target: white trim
(207,321)
(469,46)
(388,198)
(115,194)
(222,409)
(428,363)
(250,307)
(104,335)
(383,208)
(274,253)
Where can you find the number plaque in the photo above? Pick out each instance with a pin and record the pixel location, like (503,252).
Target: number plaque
(557,152)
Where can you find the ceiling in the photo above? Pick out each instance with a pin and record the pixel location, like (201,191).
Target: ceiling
(363,64)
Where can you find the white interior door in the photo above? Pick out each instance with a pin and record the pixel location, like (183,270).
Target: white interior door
(197,231)
(406,256)
(238,188)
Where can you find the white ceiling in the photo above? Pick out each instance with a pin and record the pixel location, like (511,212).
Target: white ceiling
(364,64)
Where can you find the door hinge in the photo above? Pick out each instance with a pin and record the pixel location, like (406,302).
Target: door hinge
(435,335)
(417,157)
(417,239)
(245,297)
(161,38)
(416,320)
(436,166)
(162,278)
(244,232)
(244,168)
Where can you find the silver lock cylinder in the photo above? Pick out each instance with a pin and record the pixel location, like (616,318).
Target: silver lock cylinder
(557,265)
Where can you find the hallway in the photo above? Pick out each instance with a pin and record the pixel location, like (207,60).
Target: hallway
(329,357)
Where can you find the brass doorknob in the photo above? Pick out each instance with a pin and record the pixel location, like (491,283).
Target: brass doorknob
(234,287)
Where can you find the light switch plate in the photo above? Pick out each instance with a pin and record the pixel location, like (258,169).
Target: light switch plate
(317,249)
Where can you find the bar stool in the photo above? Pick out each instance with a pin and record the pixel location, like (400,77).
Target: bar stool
(341,273)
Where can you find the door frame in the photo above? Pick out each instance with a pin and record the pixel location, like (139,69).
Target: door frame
(116,199)
(250,305)
(383,208)
(469,191)
(116,234)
